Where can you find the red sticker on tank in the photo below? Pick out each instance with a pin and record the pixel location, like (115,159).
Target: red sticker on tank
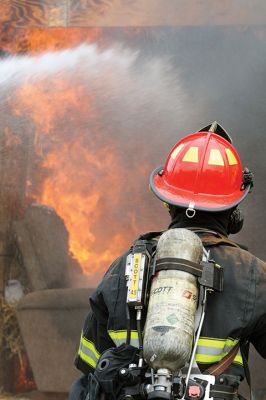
(187,294)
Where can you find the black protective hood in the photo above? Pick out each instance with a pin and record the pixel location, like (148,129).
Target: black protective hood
(215,221)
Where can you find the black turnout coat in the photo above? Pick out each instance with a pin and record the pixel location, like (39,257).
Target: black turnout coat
(239,312)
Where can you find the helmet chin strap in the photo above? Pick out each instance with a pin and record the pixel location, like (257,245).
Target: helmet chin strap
(166,205)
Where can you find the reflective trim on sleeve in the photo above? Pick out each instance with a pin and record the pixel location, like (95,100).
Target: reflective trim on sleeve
(88,352)
(211,350)
(120,337)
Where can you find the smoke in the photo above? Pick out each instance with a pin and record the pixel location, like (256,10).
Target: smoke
(130,94)
(127,103)
(92,119)
(222,73)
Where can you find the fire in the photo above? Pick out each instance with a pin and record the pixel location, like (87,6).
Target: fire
(23,376)
(69,192)
(69,166)
(72,167)
(79,164)
(38,40)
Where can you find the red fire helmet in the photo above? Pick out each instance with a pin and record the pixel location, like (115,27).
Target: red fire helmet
(203,171)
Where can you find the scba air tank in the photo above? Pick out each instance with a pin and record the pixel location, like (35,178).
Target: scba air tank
(169,327)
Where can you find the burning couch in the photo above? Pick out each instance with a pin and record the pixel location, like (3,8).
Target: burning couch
(51,313)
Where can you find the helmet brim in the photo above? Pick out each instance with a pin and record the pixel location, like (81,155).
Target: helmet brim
(185,199)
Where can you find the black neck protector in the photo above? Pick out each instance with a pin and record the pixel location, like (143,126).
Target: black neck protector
(215,221)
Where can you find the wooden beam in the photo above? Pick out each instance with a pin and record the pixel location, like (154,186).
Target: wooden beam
(34,13)
(92,13)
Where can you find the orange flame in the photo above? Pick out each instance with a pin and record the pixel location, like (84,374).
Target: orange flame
(80,168)
(79,206)
(37,40)
(71,186)
(24,380)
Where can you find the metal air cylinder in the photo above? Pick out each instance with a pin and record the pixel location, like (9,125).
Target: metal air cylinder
(169,327)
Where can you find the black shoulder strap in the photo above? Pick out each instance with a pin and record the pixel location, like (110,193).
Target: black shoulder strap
(150,235)
(208,237)
(216,241)
(210,240)
(148,239)
(213,238)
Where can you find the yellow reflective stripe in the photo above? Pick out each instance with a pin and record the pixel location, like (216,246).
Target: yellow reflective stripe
(88,352)
(177,150)
(211,343)
(238,359)
(208,359)
(220,343)
(122,335)
(231,158)
(202,358)
(209,340)
(89,345)
(215,157)
(212,358)
(192,155)
(211,350)
(87,359)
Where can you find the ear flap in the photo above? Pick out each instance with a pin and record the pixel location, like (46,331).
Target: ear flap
(236,221)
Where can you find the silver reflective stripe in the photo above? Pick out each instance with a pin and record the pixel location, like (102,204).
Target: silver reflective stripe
(120,337)
(209,350)
(227,348)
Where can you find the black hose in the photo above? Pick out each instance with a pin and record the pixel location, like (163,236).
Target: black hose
(128,325)
(140,338)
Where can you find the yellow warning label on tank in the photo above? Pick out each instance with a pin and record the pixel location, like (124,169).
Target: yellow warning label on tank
(135,276)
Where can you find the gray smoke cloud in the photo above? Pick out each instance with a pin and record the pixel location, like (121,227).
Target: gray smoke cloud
(119,112)
(222,72)
(148,91)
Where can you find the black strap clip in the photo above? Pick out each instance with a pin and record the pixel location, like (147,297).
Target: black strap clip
(212,276)
(209,274)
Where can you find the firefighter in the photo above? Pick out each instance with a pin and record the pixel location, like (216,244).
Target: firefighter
(201,184)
